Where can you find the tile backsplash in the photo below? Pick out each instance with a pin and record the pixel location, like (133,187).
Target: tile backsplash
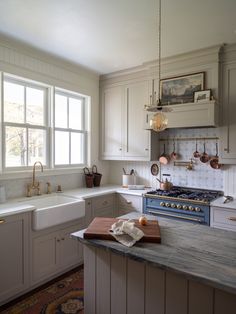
(202,175)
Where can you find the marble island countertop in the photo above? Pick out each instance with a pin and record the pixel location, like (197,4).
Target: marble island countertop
(197,252)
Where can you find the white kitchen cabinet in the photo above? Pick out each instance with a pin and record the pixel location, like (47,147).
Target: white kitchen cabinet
(223,218)
(228,128)
(103,206)
(54,252)
(14,265)
(127,203)
(123,123)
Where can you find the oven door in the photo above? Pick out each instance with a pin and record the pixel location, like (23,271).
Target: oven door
(175,210)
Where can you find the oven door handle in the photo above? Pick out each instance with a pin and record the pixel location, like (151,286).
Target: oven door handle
(174,216)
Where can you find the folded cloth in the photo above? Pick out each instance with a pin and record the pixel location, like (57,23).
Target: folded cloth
(126,233)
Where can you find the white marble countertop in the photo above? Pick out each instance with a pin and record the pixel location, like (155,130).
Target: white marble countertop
(219,202)
(16,206)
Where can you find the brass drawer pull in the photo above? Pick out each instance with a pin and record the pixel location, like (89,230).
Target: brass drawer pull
(2,221)
(232,218)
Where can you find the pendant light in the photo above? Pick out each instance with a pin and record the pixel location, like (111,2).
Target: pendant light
(159,121)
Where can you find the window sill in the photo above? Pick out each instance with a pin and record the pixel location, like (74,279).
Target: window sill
(46,173)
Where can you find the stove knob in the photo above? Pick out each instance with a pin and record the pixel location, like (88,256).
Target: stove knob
(197,209)
(162,204)
(185,207)
(167,204)
(191,208)
(173,205)
(179,206)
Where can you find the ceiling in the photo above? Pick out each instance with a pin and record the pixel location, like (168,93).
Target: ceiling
(111,35)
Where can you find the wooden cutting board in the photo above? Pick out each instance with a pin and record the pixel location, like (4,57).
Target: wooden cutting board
(100,226)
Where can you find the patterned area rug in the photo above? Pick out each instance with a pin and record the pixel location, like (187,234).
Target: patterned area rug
(62,297)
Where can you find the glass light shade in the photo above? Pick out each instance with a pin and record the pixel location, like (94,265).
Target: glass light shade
(159,122)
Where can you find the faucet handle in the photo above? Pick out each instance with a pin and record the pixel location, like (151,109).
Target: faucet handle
(29,190)
(49,189)
(38,189)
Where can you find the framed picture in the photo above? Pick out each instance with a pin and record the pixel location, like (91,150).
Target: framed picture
(203,95)
(180,89)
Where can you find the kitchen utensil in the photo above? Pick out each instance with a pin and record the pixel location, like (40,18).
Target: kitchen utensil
(173,155)
(204,156)
(124,172)
(154,169)
(165,185)
(228,199)
(214,162)
(164,158)
(96,176)
(196,154)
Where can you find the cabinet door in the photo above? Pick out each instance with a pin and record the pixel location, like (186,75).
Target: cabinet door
(70,249)
(111,127)
(228,129)
(137,140)
(45,256)
(13,256)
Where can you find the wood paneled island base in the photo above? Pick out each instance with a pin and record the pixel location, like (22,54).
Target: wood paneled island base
(193,271)
(116,284)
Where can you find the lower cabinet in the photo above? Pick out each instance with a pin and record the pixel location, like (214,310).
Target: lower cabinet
(127,203)
(14,265)
(223,218)
(55,252)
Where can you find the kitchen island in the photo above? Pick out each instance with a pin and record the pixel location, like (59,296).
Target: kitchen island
(192,271)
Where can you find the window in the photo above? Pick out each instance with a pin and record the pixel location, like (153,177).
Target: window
(69,130)
(26,125)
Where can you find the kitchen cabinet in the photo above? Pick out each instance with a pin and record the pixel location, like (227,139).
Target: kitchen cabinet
(127,203)
(100,206)
(14,265)
(55,252)
(124,136)
(223,218)
(228,125)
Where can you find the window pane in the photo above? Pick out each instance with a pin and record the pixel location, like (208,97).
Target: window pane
(75,113)
(60,111)
(61,148)
(15,147)
(77,148)
(37,146)
(13,102)
(34,106)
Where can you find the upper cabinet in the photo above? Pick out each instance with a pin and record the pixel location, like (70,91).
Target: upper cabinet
(123,134)
(228,123)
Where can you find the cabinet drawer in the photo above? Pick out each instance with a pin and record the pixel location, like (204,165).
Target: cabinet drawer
(129,202)
(223,218)
(102,202)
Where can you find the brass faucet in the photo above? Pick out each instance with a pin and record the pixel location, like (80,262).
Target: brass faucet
(35,185)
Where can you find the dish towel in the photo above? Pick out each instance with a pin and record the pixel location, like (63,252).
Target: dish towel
(126,233)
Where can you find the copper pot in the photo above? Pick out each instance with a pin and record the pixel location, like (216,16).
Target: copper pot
(164,158)
(214,162)
(165,185)
(173,155)
(204,156)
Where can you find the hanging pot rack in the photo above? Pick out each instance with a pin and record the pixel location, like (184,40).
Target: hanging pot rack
(189,139)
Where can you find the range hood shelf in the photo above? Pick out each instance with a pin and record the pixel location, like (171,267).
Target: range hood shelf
(190,115)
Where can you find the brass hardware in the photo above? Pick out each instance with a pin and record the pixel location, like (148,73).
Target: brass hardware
(62,239)
(49,189)
(232,218)
(59,189)
(171,215)
(2,221)
(58,240)
(188,139)
(34,185)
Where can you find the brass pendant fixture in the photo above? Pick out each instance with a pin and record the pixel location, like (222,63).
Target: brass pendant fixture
(159,121)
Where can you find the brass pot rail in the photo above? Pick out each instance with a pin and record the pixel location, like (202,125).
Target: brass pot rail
(189,139)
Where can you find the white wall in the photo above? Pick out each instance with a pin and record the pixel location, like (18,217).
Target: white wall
(27,62)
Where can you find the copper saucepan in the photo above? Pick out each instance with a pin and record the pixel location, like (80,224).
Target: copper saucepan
(196,154)
(204,156)
(173,155)
(164,158)
(214,162)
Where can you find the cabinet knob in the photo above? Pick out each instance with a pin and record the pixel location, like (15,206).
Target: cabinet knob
(62,239)
(2,221)
(146,149)
(58,240)
(232,218)
(120,148)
